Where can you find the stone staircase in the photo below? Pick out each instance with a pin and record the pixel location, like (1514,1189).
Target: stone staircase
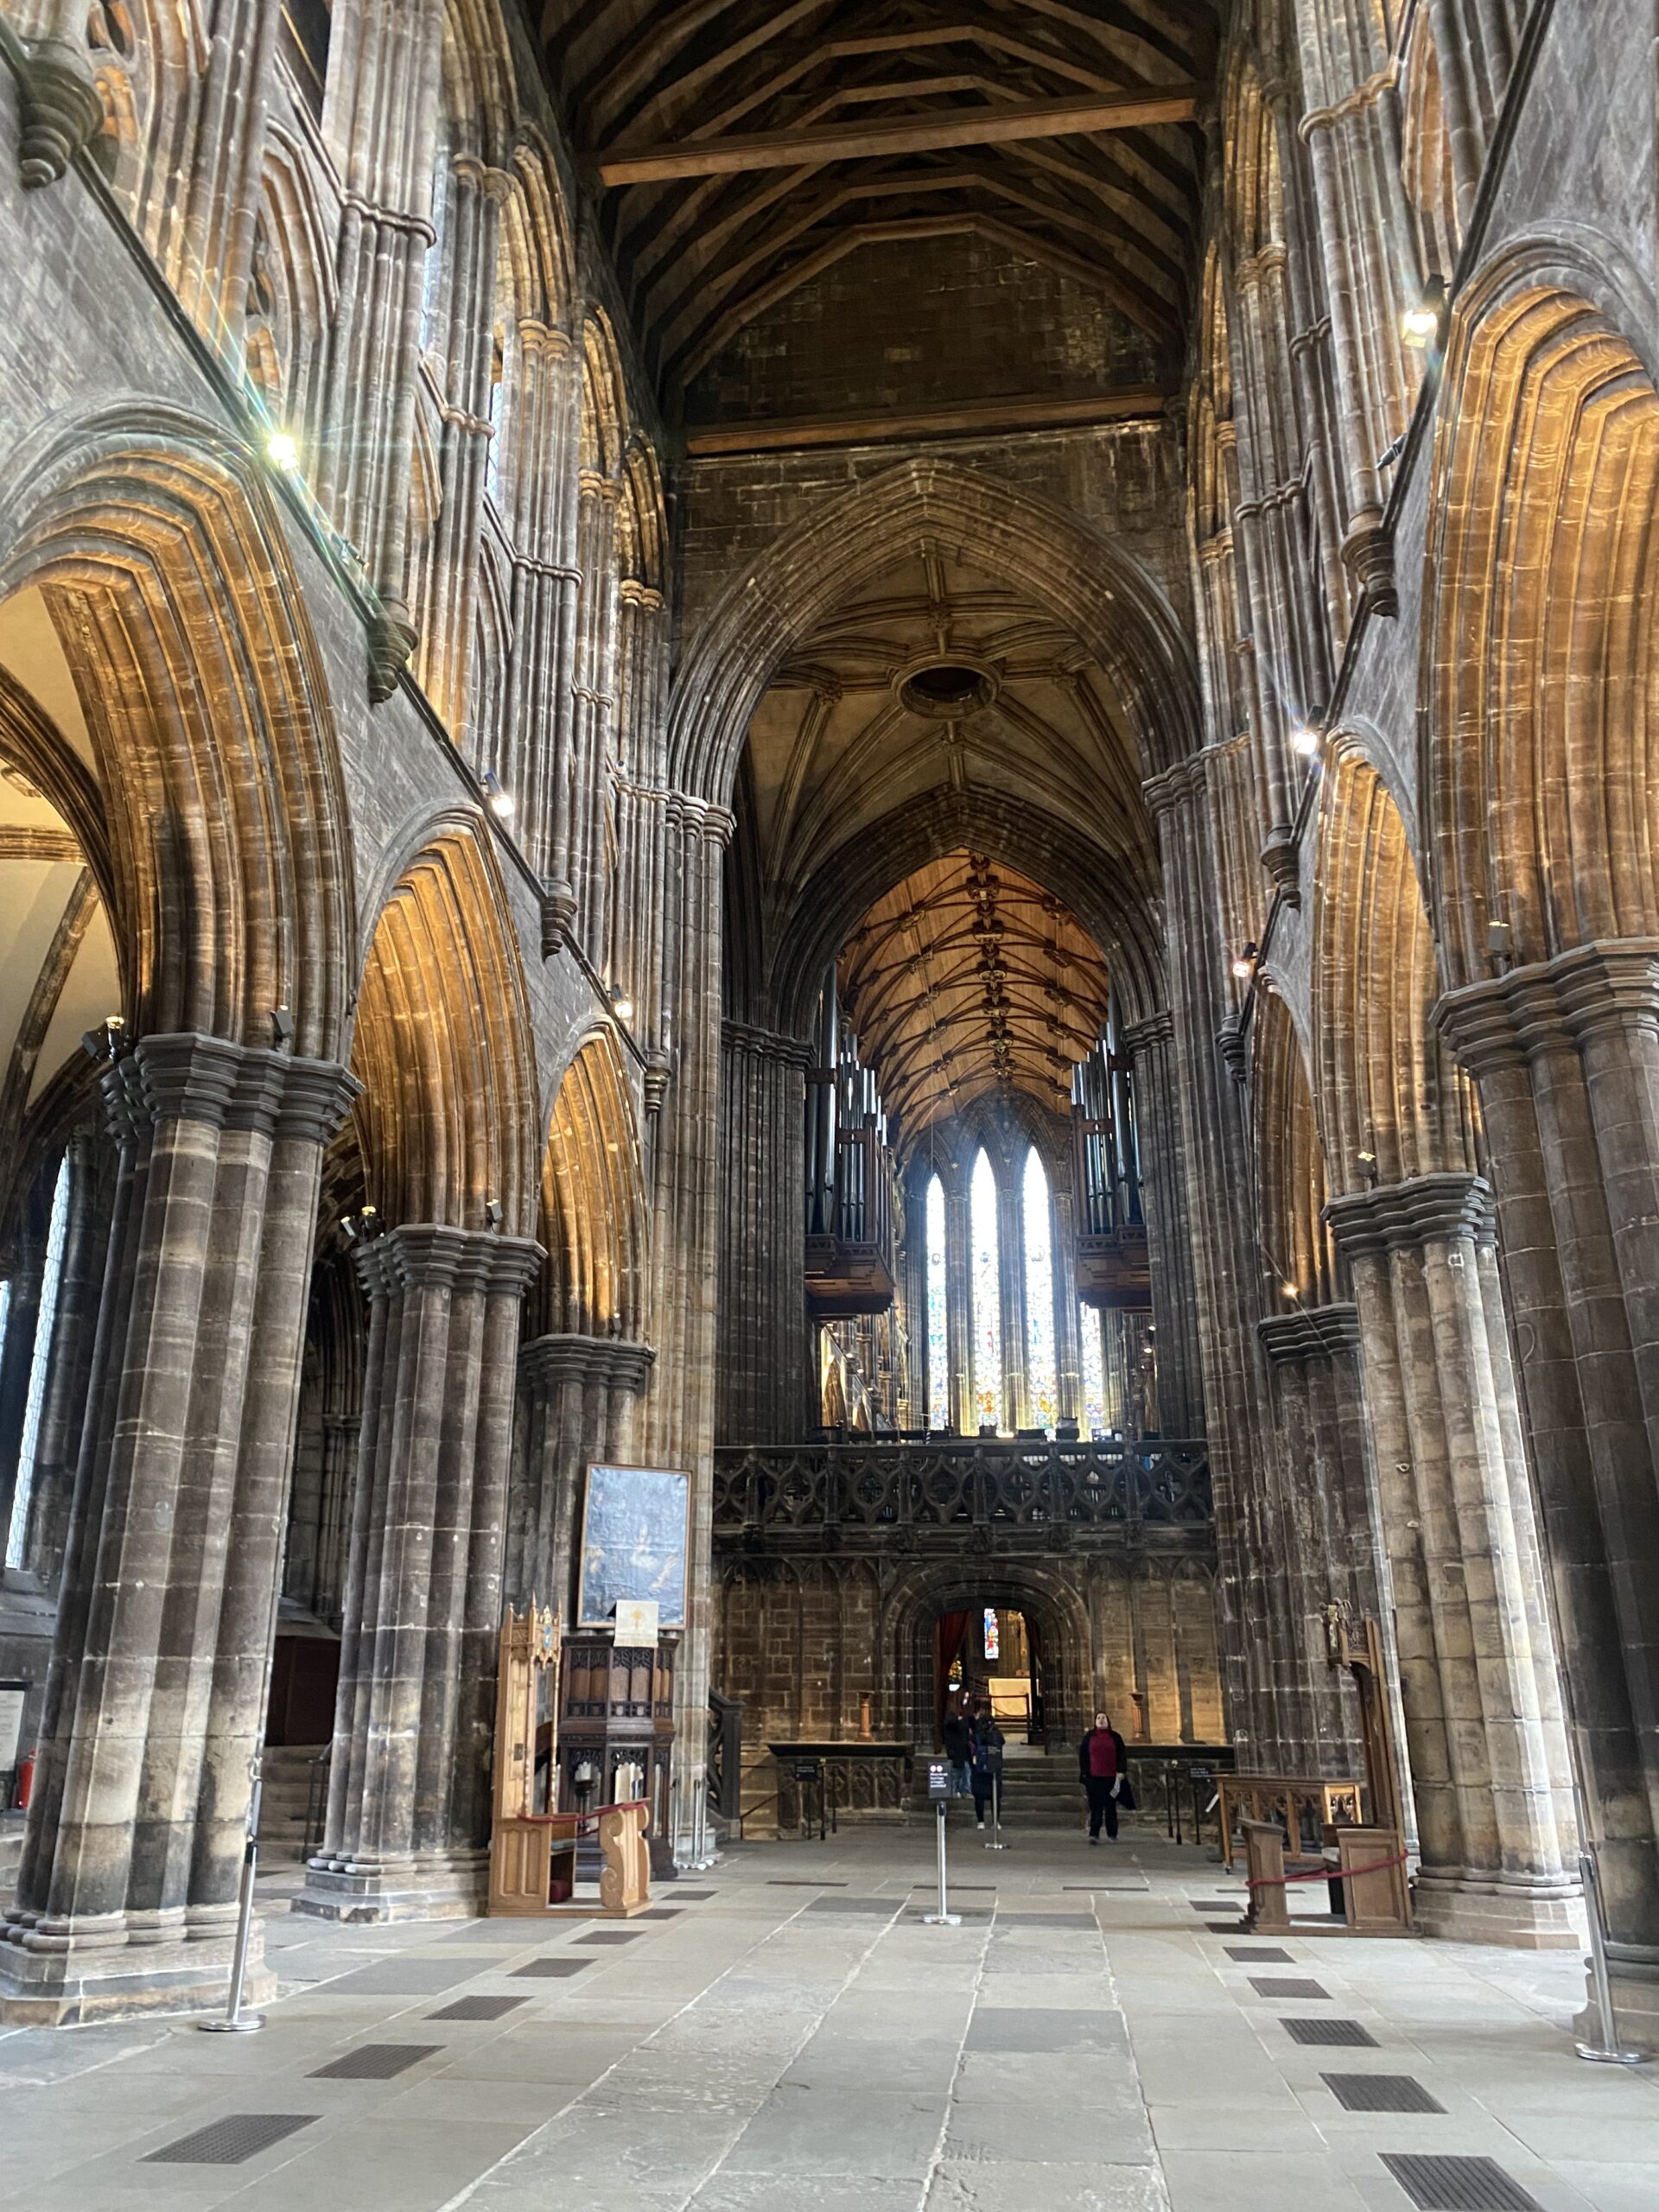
(286,1792)
(1041,1791)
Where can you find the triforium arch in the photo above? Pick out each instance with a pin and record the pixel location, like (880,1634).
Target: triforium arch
(1117,611)
(445,1127)
(586,1358)
(1537,680)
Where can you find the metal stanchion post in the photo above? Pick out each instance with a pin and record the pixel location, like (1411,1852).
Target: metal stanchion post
(996,1842)
(1609,2051)
(944,1918)
(236,2022)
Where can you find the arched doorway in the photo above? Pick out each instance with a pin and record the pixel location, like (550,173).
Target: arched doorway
(938,1628)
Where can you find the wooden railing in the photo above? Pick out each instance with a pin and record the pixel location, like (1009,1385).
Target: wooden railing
(1301,1806)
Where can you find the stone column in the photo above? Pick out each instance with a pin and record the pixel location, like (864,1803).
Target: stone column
(1563,1055)
(408,1826)
(578,1396)
(1150,1045)
(762,1360)
(17,1352)
(1476,1664)
(1324,1523)
(676,1426)
(1215,1148)
(155,1699)
(539,489)
(450,572)
(383,118)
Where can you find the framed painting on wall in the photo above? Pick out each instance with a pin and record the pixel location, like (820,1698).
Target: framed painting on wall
(634,1533)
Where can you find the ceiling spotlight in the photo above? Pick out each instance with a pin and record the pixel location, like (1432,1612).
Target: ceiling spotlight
(498,800)
(1305,741)
(282,451)
(282,1028)
(1287,1290)
(493,1214)
(1419,326)
(621,1004)
(1244,963)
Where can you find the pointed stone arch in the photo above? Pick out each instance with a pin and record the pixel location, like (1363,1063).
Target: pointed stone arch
(594,1201)
(162,566)
(1539,663)
(448,1120)
(1293,1246)
(1118,612)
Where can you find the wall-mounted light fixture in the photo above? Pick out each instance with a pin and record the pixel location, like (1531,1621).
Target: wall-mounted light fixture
(1305,741)
(283,451)
(1419,326)
(621,1004)
(496,798)
(1244,963)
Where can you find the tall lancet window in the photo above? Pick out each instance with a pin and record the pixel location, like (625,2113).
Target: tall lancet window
(1042,1367)
(1094,1371)
(938,1333)
(988,1296)
(34,1405)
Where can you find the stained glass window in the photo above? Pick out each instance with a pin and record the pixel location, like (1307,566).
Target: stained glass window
(938,1333)
(1042,1366)
(1093,1372)
(986,1295)
(34,1405)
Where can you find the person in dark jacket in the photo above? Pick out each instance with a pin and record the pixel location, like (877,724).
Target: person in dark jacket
(987,1759)
(1102,1769)
(958,1748)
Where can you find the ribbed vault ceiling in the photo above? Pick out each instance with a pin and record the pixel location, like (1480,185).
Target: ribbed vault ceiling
(815,107)
(968,977)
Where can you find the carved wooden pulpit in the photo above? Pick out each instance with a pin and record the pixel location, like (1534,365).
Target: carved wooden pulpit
(532,1849)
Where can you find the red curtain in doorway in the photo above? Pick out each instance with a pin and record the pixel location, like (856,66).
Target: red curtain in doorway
(948,1639)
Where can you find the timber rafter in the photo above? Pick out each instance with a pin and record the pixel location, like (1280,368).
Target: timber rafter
(746,146)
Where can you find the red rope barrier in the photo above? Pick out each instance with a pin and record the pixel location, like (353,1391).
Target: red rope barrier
(1324,1873)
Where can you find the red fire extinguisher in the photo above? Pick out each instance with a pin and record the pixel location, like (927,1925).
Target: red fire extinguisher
(25,1781)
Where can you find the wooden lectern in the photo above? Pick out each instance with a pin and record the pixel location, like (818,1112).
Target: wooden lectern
(532,1847)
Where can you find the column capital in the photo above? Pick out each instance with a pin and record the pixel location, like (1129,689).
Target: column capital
(1156,1029)
(1395,1217)
(419,1254)
(1173,787)
(183,1076)
(1310,1332)
(765,1044)
(1611,984)
(616,1361)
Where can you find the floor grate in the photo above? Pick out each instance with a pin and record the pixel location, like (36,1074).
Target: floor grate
(611,1935)
(888,1905)
(1261,1955)
(227,2142)
(1225,1927)
(479,2008)
(1437,2184)
(374,2062)
(781,1882)
(1218,1904)
(1286,1985)
(693,1897)
(1330,2032)
(1380,2093)
(549,1970)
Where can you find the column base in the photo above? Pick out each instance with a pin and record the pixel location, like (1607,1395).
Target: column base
(55,1975)
(1635,2005)
(1465,1909)
(418,1885)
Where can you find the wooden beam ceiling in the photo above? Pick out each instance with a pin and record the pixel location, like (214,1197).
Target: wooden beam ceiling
(746,146)
(905,134)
